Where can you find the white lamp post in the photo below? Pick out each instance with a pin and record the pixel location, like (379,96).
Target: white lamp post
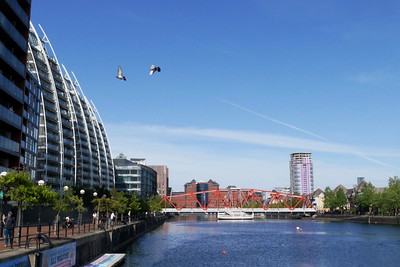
(40,183)
(98,209)
(82,192)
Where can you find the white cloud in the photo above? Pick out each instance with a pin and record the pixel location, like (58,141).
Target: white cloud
(241,158)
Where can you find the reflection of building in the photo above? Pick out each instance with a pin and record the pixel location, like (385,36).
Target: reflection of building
(134,176)
(301,173)
(194,187)
(73,145)
(19,91)
(162,179)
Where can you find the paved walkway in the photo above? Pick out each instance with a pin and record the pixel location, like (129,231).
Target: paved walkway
(27,234)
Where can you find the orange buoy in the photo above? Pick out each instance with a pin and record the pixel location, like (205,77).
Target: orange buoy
(223,252)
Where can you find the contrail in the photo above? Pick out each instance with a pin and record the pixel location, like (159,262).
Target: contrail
(273,120)
(355,152)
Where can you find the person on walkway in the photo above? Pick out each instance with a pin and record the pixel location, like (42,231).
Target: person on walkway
(9,229)
(68,223)
(94,218)
(112,218)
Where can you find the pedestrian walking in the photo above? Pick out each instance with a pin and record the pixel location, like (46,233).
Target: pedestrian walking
(112,218)
(94,218)
(9,222)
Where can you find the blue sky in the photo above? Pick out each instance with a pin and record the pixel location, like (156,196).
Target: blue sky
(242,84)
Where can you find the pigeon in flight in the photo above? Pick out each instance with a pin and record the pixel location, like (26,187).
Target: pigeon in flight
(154,69)
(120,75)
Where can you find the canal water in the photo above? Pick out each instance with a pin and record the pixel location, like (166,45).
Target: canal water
(201,240)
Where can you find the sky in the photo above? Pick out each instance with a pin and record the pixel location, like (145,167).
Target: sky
(243,84)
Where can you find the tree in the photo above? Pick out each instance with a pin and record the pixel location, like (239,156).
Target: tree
(154,203)
(121,202)
(366,197)
(22,190)
(340,199)
(134,203)
(392,194)
(329,198)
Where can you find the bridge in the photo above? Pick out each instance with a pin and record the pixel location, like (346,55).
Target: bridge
(247,200)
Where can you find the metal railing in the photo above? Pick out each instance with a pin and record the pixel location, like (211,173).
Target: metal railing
(23,236)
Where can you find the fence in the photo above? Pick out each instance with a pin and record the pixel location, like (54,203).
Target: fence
(23,236)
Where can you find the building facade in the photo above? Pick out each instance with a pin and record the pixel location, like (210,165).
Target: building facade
(205,198)
(134,176)
(73,147)
(162,179)
(301,173)
(18,90)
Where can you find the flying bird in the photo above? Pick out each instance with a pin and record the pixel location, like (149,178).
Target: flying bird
(154,69)
(120,75)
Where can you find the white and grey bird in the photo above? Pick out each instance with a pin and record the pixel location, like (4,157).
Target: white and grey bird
(154,69)
(120,75)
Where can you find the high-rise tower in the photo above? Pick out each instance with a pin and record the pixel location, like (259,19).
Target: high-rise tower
(301,173)
(73,147)
(19,91)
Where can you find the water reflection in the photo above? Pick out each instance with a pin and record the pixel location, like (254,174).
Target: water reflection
(195,240)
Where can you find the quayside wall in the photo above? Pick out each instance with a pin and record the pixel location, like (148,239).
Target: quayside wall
(89,246)
(93,245)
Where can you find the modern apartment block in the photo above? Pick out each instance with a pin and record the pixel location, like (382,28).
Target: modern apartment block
(204,199)
(162,179)
(19,91)
(134,176)
(73,147)
(301,173)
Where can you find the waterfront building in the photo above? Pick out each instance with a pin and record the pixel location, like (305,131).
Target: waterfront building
(285,190)
(73,147)
(18,90)
(162,179)
(301,173)
(193,187)
(134,176)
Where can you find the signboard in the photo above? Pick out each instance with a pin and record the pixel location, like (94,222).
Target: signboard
(63,256)
(107,259)
(19,262)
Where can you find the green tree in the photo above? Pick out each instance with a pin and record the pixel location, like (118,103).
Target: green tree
(392,196)
(365,199)
(340,199)
(134,204)
(22,190)
(121,202)
(329,199)
(154,203)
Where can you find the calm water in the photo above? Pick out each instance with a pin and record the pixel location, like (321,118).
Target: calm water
(200,240)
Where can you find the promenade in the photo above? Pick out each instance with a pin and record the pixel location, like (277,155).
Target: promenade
(88,241)
(25,240)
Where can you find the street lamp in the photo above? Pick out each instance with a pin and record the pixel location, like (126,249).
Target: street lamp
(98,208)
(82,192)
(65,188)
(40,183)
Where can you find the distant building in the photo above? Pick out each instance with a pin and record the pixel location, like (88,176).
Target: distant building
(301,173)
(134,176)
(193,187)
(162,179)
(285,190)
